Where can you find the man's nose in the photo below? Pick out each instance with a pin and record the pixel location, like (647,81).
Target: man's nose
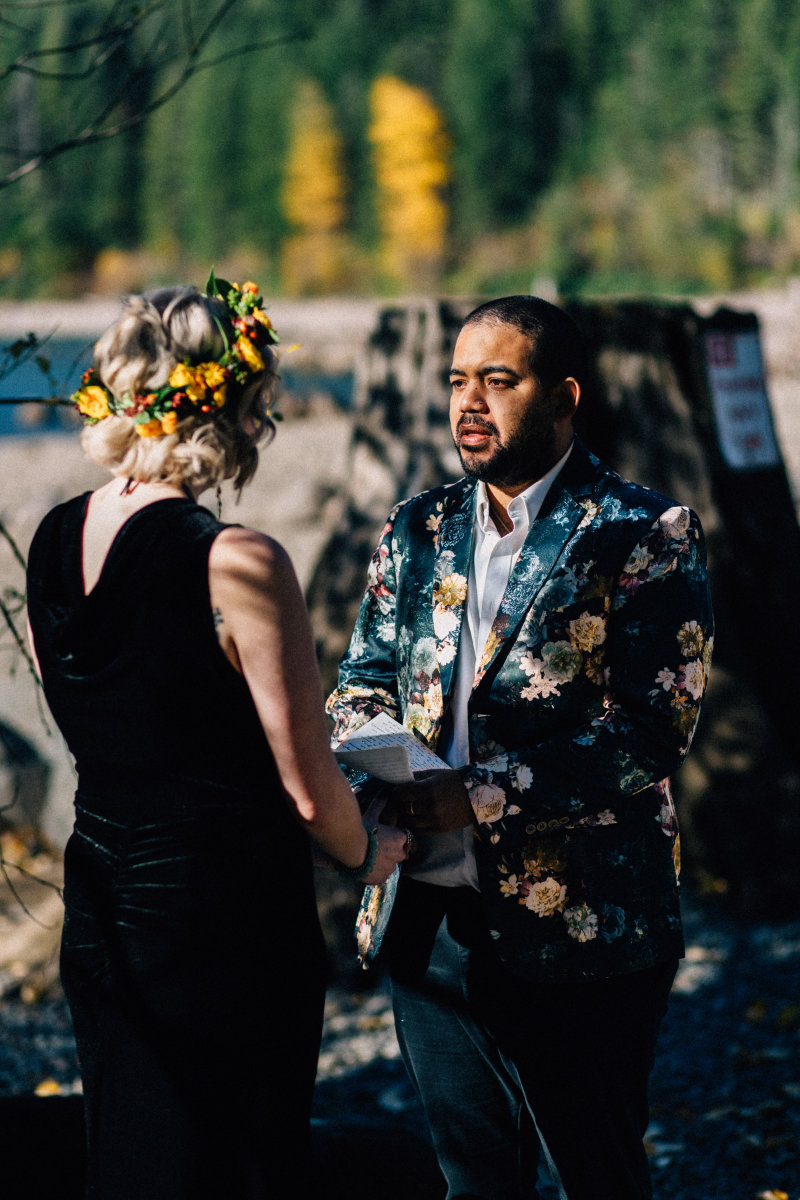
(472,397)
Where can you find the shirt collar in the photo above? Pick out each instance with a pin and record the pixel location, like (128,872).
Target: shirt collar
(523,507)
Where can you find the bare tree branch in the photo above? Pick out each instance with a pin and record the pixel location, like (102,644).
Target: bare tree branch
(19,641)
(113,36)
(15,550)
(8,617)
(4,866)
(40,3)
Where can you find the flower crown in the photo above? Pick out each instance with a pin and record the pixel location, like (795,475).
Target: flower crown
(193,390)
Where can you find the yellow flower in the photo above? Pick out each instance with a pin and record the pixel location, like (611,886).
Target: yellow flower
(212,373)
(690,639)
(492,642)
(249,354)
(92,402)
(452,590)
(181,376)
(220,396)
(587,631)
(259,315)
(191,380)
(151,428)
(546,897)
(416,718)
(169,422)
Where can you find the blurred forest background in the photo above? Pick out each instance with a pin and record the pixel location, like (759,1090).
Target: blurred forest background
(377,146)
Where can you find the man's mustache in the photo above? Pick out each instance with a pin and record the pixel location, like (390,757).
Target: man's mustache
(475,422)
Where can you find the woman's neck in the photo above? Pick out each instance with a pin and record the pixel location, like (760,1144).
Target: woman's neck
(146,490)
(109,508)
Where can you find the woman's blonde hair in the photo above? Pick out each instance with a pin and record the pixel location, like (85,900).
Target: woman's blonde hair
(136,355)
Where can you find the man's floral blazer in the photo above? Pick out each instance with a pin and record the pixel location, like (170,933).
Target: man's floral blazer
(584,701)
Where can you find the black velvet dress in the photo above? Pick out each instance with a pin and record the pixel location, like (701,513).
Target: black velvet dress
(192,956)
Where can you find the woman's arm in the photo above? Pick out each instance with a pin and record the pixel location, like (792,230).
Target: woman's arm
(263,627)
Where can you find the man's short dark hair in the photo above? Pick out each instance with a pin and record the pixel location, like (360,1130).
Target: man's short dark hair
(558,347)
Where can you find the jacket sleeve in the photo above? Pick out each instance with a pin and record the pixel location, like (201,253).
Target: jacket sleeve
(648,655)
(368,672)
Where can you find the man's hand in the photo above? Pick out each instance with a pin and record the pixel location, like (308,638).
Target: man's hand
(436,802)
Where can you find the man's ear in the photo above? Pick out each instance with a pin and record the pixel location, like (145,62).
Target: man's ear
(566,395)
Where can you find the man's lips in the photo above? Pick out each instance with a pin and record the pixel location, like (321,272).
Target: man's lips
(474,436)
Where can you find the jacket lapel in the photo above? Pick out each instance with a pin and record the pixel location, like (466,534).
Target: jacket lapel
(450,577)
(566,508)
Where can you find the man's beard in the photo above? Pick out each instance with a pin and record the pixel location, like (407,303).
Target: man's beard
(528,454)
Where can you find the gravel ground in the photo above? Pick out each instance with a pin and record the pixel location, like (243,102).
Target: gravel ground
(725,1092)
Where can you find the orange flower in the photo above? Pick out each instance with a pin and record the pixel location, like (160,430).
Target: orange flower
(151,428)
(169,422)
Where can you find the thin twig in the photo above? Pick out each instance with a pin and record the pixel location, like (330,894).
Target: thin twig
(4,865)
(15,550)
(31,665)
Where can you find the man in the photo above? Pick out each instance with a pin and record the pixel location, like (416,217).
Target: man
(546,627)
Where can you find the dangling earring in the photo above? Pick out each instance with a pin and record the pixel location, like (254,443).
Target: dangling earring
(219,503)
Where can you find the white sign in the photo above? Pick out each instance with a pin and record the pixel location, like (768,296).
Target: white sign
(741,407)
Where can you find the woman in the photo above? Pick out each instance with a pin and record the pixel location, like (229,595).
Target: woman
(178,662)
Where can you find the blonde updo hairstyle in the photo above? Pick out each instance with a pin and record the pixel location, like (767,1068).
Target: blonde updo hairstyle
(137,354)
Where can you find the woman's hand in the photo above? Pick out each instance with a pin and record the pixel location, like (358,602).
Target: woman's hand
(392,849)
(393,843)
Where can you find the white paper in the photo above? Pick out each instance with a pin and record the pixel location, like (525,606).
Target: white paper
(388,751)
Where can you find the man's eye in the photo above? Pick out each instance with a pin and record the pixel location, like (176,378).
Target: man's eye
(457,383)
(497,383)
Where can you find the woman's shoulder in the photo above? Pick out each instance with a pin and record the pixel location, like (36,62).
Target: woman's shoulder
(59,525)
(248,556)
(61,514)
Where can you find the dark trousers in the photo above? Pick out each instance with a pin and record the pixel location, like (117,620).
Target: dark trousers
(501,1063)
(194,1088)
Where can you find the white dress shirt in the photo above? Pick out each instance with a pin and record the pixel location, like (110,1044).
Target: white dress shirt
(448,859)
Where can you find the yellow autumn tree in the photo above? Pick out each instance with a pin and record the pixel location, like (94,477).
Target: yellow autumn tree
(314,197)
(411,152)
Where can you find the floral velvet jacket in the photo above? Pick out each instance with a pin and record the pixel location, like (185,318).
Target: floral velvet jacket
(584,701)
